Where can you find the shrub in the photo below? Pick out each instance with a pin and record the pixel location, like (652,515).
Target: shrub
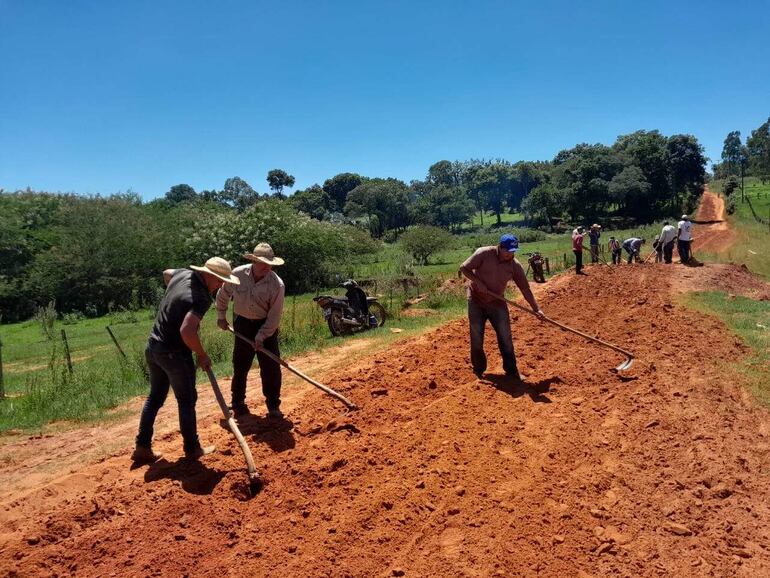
(72,317)
(46,317)
(424,240)
(731,185)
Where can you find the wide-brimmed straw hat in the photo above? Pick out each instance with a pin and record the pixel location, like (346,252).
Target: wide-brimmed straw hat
(264,254)
(595,226)
(220,269)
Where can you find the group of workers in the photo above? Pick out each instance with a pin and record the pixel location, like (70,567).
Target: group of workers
(258,294)
(663,244)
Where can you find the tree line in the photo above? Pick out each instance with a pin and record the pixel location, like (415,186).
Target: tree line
(749,159)
(93,254)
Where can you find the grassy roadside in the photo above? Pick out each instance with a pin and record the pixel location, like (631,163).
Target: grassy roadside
(750,320)
(753,243)
(41,390)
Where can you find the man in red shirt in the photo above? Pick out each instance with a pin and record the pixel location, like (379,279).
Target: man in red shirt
(577,248)
(489,269)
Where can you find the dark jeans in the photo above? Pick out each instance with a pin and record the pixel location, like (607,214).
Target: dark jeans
(178,371)
(668,251)
(632,255)
(616,256)
(684,251)
(501,323)
(243,357)
(594,253)
(578,261)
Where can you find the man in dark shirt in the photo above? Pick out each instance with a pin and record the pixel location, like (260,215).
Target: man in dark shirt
(173,339)
(593,236)
(489,270)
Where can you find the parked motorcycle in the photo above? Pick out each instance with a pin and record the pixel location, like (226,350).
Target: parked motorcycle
(353,313)
(536,263)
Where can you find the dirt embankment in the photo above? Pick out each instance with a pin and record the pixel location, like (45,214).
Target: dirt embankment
(660,471)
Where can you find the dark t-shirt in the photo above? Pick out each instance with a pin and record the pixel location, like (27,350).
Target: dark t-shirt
(186,292)
(593,237)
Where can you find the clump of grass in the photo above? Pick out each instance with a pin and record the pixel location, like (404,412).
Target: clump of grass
(46,317)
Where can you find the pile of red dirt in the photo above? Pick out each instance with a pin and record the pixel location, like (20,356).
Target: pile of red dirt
(581,471)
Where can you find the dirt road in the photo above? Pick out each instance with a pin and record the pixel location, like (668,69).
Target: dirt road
(660,471)
(712,233)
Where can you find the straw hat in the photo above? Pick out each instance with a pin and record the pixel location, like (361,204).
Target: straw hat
(595,226)
(264,254)
(220,269)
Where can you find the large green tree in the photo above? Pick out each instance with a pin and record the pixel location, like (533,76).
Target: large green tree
(180,194)
(384,202)
(758,145)
(339,186)
(238,194)
(312,201)
(443,206)
(731,152)
(278,179)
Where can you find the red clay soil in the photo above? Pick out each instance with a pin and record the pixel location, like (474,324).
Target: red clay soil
(711,233)
(660,471)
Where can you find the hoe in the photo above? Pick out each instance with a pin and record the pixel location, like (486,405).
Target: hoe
(626,364)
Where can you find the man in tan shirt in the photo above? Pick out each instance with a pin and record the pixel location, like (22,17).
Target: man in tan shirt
(257,308)
(489,270)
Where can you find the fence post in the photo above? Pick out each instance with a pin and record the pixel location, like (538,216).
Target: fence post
(66,350)
(2,383)
(565,260)
(115,341)
(547,266)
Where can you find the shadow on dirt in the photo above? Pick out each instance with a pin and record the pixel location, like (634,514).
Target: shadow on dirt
(277,434)
(195,477)
(536,390)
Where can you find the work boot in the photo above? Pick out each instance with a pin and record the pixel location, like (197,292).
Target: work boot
(199,452)
(145,455)
(274,413)
(240,410)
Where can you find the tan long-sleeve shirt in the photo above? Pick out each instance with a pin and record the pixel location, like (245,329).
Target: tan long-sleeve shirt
(262,299)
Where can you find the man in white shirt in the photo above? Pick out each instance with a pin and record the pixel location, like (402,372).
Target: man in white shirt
(684,238)
(257,309)
(667,238)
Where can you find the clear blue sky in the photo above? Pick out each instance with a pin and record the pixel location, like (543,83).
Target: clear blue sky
(102,96)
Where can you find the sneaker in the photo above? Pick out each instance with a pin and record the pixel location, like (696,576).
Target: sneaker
(274,413)
(199,452)
(145,455)
(240,410)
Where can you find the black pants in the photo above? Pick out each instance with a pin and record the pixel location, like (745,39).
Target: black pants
(578,261)
(668,251)
(684,251)
(243,357)
(616,257)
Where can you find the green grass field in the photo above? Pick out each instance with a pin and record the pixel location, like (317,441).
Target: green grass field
(753,244)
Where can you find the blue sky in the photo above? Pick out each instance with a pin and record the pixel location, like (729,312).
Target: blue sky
(104,96)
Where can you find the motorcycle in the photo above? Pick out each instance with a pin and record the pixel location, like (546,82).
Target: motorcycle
(536,263)
(353,313)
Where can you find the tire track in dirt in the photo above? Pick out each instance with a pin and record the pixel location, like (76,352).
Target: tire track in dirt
(660,471)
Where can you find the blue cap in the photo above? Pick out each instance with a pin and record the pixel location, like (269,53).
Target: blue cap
(509,242)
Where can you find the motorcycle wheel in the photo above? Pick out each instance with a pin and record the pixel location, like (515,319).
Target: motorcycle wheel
(336,326)
(379,312)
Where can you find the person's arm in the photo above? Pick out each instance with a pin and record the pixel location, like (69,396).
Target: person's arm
(167,275)
(520,278)
(224,295)
(189,333)
(273,320)
(469,266)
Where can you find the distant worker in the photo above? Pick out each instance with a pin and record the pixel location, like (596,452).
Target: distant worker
(667,238)
(633,246)
(658,246)
(615,249)
(684,239)
(257,309)
(489,269)
(577,249)
(593,237)
(173,339)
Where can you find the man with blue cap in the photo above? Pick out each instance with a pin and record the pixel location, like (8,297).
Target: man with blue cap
(489,269)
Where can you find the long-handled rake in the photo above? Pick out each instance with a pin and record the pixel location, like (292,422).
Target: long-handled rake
(626,364)
(598,254)
(255,482)
(328,390)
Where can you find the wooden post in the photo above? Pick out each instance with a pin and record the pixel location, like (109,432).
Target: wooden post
(547,266)
(115,341)
(2,383)
(565,260)
(66,350)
